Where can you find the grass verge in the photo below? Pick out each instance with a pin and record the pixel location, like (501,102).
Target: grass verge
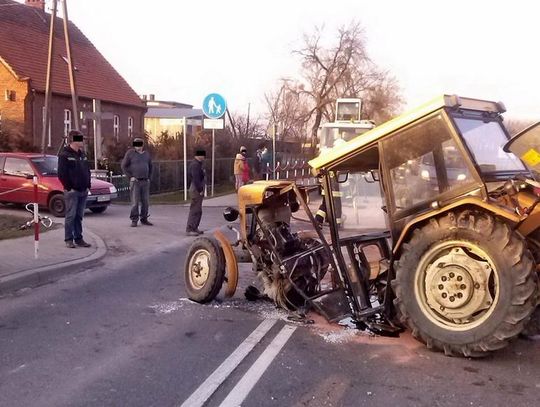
(10,227)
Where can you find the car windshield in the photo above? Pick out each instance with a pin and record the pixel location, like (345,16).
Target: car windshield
(46,166)
(486,141)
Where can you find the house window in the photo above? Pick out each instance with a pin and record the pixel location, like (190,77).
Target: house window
(67,122)
(130,127)
(116,126)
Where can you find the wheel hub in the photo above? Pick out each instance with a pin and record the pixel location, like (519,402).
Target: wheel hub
(454,286)
(199,268)
(457,285)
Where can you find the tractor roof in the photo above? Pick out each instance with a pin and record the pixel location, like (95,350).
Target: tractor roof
(343,152)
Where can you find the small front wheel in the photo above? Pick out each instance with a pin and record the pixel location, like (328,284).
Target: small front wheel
(204,270)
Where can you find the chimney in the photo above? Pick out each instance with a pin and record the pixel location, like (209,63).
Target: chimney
(39,4)
(151,97)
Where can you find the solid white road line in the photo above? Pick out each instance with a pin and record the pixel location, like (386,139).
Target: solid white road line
(252,376)
(210,385)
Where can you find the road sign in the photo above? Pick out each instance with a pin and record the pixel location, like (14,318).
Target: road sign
(213,124)
(214,106)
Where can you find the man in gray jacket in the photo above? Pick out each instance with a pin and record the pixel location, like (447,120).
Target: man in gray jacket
(137,166)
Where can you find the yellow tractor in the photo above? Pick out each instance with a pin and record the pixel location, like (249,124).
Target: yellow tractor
(457,260)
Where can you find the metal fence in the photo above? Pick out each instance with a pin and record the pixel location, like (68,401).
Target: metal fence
(168,176)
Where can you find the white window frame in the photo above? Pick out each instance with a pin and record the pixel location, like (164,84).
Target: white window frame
(67,122)
(116,126)
(130,126)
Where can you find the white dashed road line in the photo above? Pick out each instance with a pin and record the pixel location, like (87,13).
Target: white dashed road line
(210,385)
(252,376)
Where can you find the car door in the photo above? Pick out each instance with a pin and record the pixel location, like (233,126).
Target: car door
(15,181)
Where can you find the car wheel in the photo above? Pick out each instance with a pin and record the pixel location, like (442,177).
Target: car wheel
(99,209)
(57,205)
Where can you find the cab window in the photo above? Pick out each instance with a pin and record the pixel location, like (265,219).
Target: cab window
(17,167)
(424,161)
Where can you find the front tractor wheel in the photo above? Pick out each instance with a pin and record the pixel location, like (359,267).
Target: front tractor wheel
(204,270)
(465,284)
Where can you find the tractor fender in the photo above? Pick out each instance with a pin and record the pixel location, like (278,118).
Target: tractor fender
(230,263)
(467,202)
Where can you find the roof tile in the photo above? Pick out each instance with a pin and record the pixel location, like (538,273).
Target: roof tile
(24,43)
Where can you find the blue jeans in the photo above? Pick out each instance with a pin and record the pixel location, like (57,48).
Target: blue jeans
(75,206)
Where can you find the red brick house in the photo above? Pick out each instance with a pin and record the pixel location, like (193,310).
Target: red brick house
(24,36)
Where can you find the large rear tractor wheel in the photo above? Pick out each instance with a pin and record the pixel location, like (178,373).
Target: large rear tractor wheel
(465,284)
(204,270)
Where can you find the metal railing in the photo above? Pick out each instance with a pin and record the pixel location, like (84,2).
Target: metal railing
(168,176)
(297,170)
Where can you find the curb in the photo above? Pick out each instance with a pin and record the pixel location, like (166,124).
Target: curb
(46,274)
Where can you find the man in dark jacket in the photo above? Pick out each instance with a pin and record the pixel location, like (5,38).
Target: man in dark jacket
(137,165)
(74,174)
(197,182)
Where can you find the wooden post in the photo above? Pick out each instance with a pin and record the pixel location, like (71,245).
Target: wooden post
(47,109)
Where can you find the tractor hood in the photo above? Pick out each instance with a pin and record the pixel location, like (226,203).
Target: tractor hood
(254,194)
(526,146)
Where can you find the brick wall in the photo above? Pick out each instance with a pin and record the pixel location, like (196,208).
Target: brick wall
(12,112)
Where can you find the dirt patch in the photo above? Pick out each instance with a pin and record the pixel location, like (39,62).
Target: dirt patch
(10,227)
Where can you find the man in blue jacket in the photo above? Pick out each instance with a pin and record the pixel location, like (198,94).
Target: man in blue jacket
(197,182)
(74,174)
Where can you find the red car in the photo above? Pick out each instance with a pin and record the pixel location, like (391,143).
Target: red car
(17,170)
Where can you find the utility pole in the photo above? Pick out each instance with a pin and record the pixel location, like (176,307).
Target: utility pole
(47,109)
(48,87)
(247,122)
(74,96)
(274,131)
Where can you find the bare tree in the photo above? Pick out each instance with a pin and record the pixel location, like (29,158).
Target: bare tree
(289,110)
(341,70)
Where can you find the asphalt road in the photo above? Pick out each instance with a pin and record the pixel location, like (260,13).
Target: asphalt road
(121,333)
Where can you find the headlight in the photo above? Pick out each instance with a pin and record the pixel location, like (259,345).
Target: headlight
(230,214)
(425,175)
(113,189)
(461,177)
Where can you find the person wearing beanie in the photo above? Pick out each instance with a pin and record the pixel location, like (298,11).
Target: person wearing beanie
(74,174)
(137,166)
(197,183)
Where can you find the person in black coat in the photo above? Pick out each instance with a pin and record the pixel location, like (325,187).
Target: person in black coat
(74,174)
(197,182)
